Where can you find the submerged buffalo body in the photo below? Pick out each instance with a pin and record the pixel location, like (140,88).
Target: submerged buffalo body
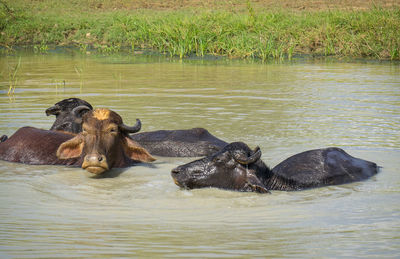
(179,143)
(102,145)
(171,143)
(30,145)
(237,167)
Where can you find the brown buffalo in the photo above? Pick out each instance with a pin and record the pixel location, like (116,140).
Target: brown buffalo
(34,146)
(103,144)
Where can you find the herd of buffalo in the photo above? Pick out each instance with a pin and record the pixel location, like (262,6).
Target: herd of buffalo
(97,140)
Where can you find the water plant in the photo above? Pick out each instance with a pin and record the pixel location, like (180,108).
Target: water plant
(118,78)
(132,47)
(13,77)
(83,47)
(58,84)
(41,48)
(79,72)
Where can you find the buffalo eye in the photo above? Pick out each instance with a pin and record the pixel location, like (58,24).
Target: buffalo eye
(113,130)
(221,159)
(217,160)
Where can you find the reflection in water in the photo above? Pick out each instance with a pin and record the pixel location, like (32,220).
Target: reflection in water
(283,108)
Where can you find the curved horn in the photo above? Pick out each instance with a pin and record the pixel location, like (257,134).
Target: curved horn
(78,113)
(80,110)
(53,110)
(133,129)
(248,160)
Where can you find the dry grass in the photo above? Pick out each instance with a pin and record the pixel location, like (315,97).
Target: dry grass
(231,5)
(241,5)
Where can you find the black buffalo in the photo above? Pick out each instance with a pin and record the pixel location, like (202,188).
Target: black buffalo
(237,167)
(194,142)
(66,120)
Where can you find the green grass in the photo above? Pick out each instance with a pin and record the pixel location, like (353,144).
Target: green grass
(277,34)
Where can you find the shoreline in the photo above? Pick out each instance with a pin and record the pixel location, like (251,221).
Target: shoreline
(137,53)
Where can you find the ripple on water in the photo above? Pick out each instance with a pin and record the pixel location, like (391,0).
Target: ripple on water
(49,211)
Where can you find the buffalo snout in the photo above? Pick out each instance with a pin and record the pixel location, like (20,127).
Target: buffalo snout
(186,176)
(179,176)
(175,173)
(95,163)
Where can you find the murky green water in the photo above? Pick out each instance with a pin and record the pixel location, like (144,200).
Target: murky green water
(55,211)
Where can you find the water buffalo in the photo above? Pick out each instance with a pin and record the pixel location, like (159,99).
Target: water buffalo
(65,119)
(237,167)
(179,143)
(104,143)
(194,142)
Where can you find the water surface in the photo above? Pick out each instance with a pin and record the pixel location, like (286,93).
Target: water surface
(49,211)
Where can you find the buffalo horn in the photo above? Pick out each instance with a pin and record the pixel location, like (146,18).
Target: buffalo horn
(251,159)
(79,111)
(133,129)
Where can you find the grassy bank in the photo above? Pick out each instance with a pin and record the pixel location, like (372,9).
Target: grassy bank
(250,32)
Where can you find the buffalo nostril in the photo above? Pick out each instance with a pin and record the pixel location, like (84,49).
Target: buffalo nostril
(95,158)
(175,171)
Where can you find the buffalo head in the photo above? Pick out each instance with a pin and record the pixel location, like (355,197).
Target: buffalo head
(104,142)
(235,167)
(66,120)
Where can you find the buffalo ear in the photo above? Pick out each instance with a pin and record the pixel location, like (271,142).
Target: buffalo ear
(137,152)
(255,185)
(71,148)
